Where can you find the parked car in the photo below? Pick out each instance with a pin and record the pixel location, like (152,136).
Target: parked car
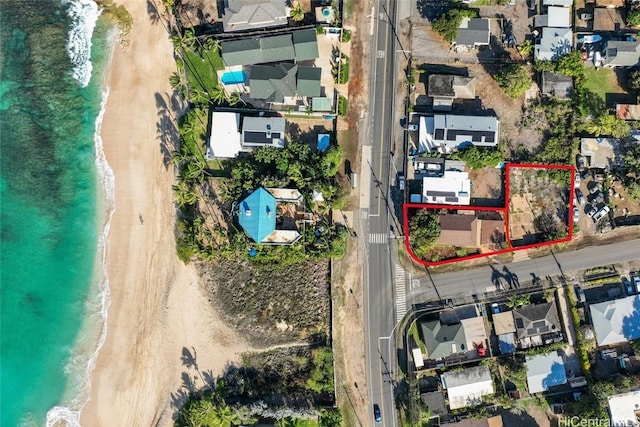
(401,183)
(412,127)
(601,214)
(636,282)
(495,308)
(590,211)
(580,294)
(628,287)
(576,214)
(598,198)
(376,413)
(594,188)
(576,182)
(580,163)
(579,196)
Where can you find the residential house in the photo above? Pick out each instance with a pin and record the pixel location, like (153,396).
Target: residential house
(608,19)
(443,340)
(556,85)
(616,321)
(621,53)
(600,153)
(276,83)
(445,88)
(505,327)
(544,372)
(554,43)
(232,133)
(473,32)
(448,132)
(534,322)
(468,231)
(468,386)
(628,111)
(495,421)
(452,188)
(557,16)
(260,213)
(244,15)
(300,45)
(624,409)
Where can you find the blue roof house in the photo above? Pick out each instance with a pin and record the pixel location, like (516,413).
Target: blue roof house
(257,216)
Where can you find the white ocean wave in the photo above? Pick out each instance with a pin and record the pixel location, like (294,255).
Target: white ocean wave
(84,15)
(86,352)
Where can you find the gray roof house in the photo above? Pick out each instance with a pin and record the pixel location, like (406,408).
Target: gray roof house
(445,88)
(621,54)
(299,45)
(442,340)
(448,132)
(556,85)
(554,43)
(261,131)
(273,83)
(242,15)
(616,321)
(535,320)
(473,32)
(545,371)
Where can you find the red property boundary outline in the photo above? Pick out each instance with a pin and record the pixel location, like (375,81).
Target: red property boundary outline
(505,213)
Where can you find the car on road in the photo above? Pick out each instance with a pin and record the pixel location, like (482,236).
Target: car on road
(376,413)
(576,214)
(601,214)
(628,287)
(590,210)
(579,196)
(580,294)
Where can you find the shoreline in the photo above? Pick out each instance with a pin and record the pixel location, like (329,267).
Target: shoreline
(159,318)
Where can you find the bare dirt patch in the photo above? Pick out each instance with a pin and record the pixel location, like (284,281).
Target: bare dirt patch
(487,185)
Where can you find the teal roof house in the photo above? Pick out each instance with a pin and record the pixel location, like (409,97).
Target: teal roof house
(260,217)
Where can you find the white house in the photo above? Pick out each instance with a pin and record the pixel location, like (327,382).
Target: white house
(625,409)
(452,188)
(466,387)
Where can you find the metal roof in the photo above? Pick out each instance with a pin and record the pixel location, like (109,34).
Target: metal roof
(273,82)
(257,214)
(306,44)
(309,81)
(616,321)
(545,371)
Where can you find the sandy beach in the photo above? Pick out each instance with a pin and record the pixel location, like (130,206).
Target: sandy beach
(159,321)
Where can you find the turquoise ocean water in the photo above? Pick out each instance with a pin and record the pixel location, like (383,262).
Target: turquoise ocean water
(52,206)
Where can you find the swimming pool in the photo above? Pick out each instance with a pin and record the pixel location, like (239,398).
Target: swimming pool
(233,77)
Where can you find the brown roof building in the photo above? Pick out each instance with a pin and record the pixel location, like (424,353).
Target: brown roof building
(495,421)
(467,230)
(609,3)
(608,19)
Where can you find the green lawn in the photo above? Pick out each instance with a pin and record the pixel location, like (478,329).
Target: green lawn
(413,331)
(601,81)
(201,71)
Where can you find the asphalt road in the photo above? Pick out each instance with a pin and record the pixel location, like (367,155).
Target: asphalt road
(375,220)
(479,280)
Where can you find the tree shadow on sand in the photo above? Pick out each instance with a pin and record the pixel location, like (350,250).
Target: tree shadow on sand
(166,129)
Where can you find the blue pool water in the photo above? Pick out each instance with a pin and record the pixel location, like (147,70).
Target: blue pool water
(233,77)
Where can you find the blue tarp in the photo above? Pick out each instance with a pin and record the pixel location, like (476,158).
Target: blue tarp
(507,343)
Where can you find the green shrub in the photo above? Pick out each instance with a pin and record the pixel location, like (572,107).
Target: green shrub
(319,29)
(479,157)
(514,80)
(343,105)
(346,36)
(633,18)
(424,229)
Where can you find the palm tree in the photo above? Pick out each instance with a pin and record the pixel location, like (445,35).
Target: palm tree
(289,422)
(199,97)
(218,95)
(184,195)
(296,13)
(235,98)
(195,170)
(608,124)
(212,44)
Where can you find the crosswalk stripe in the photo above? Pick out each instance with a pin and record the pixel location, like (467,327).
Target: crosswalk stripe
(401,292)
(378,238)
